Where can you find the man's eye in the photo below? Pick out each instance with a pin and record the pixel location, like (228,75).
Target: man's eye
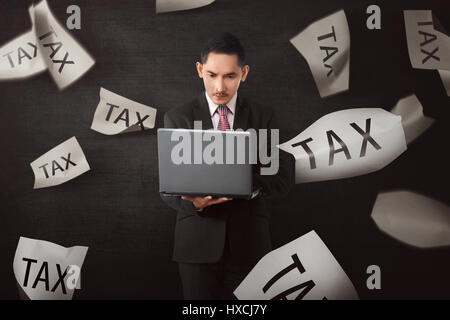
(230,76)
(212,75)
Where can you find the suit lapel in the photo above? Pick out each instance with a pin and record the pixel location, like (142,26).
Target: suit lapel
(242,114)
(201,112)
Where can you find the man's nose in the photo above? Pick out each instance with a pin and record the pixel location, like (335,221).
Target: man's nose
(220,85)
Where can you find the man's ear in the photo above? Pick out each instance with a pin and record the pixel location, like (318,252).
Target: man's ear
(245,71)
(199,67)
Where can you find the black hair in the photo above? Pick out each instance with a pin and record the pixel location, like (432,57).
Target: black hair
(224,43)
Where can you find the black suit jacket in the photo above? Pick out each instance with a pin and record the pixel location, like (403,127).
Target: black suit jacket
(200,236)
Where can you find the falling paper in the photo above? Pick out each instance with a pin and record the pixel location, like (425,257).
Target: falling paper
(413,121)
(46,46)
(66,60)
(116,114)
(346,143)
(21,58)
(428,47)
(445,77)
(43,269)
(413,218)
(63,163)
(301,269)
(325,45)
(177,5)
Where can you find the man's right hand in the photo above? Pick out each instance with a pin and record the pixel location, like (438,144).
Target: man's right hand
(202,202)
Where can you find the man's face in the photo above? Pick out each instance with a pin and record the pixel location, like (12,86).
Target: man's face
(222,75)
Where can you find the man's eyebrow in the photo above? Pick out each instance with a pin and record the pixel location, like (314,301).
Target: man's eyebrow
(228,74)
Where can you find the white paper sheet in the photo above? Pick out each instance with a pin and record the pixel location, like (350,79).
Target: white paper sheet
(428,47)
(61,164)
(413,121)
(445,77)
(40,268)
(412,218)
(423,39)
(177,5)
(21,58)
(65,58)
(346,143)
(325,45)
(116,114)
(302,269)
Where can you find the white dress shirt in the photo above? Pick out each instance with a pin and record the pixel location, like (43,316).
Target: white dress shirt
(215,115)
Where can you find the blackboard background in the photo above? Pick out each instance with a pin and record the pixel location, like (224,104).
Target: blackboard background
(115,208)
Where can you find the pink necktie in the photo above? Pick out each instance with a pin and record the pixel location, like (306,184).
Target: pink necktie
(223,120)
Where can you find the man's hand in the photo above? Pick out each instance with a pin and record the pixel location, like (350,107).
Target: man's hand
(202,202)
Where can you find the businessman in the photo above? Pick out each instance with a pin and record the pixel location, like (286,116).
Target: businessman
(219,240)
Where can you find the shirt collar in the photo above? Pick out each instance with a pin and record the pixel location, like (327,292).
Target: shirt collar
(213,107)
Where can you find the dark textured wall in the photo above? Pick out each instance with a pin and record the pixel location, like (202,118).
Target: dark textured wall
(115,208)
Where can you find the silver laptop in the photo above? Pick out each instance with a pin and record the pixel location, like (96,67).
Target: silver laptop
(205,162)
